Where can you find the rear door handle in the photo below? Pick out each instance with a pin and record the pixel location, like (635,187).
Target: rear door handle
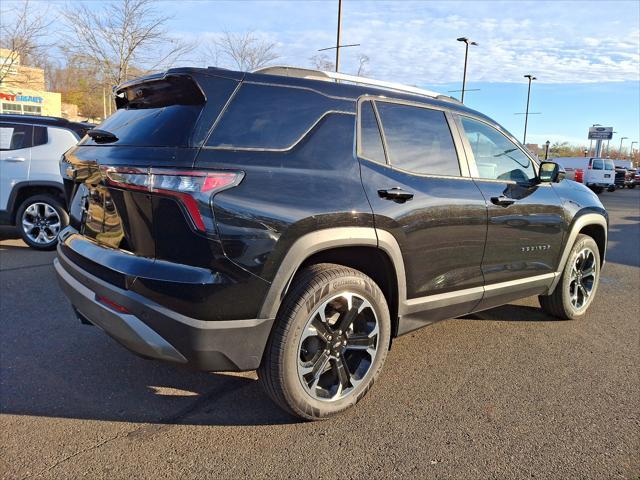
(15,159)
(396,194)
(502,200)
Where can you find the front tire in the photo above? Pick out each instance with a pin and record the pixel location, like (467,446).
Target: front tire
(577,286)
(329,344)
(39,219)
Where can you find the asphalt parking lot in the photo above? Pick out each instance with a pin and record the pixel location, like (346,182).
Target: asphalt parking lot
(507,393)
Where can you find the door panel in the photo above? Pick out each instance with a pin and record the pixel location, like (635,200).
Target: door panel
(15,157)
(437,216)
(526,222)
(440,231)
(523,238)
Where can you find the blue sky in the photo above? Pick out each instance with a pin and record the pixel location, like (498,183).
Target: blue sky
(586,55)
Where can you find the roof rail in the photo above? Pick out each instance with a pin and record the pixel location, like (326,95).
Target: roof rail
(310,73)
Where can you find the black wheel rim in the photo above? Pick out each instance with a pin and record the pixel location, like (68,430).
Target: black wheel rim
(583,278)
(338,347)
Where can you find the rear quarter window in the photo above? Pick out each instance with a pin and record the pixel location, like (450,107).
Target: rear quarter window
(272,116)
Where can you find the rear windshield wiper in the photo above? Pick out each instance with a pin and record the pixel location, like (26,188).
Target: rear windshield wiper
(102,136)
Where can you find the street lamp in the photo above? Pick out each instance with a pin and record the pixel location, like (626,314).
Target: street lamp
(526,115)
(466,54)
(620,150)
(546,149)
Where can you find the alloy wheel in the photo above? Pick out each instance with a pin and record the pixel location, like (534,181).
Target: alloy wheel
(338,346)
(583,278)
(41,223)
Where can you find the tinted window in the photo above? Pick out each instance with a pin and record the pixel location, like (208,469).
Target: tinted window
(15,136)
(418,139)
(39,136)
(370,140)
(597,164)
(496,156)
(267,116)
(608,165)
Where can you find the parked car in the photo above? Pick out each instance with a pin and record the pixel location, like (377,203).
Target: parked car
(596,173)
(630,178)
(621,177)
(31,189)
(295,221)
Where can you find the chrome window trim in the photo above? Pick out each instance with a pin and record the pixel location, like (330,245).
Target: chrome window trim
(458,147)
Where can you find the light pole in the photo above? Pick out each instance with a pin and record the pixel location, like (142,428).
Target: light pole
(526,115)
(620,150)
(631,150)
(608,141)
(466,55)
(546,149)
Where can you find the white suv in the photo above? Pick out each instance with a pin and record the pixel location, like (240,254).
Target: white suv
(31,188)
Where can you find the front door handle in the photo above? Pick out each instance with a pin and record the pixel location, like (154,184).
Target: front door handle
(15,159)
(396,194)
(502,200)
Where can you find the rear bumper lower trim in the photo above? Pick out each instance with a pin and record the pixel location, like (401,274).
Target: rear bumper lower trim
(154,331)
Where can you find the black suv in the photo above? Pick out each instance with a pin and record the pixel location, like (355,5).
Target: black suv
(295,222)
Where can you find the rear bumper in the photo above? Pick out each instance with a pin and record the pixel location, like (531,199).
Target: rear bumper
(152,330)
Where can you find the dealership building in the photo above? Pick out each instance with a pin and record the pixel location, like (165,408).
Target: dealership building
(22,89)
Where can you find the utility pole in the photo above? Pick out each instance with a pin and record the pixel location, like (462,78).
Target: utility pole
(546,149)
(526,115)
(466,55)
(338,34)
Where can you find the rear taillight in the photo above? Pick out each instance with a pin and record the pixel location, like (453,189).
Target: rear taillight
(579,176)
(193,189)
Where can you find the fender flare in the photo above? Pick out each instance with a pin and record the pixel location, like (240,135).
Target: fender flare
(326,239)
(15,190)
(579,223)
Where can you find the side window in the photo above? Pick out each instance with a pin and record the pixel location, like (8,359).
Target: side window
(275,117)
(418,139)
(370,139)
(15,136)
(496,156)
(40,136)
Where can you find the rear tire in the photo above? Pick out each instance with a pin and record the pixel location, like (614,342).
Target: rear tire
(329,342)
(578,284)
(39,219)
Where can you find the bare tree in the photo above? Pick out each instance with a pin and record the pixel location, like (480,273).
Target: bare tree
(321,62)
(23,31)
(363,62)
(124,39)
(244,51)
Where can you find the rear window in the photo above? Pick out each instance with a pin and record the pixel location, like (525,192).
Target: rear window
(159,113)
(597,164)
(418,139)
(272,116)
(608,165)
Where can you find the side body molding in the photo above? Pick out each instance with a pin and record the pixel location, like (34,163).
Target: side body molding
(326,239)
(578,224)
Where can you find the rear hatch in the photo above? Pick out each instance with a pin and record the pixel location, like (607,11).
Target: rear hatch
(125,177)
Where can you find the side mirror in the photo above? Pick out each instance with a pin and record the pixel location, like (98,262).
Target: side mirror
(551,172)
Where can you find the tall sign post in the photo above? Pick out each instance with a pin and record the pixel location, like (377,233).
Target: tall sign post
(599,134)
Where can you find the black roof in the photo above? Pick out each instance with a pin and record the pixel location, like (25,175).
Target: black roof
(79,127)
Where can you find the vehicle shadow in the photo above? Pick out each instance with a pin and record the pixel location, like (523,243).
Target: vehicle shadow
(512,313)
(129,389)
(624,236)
